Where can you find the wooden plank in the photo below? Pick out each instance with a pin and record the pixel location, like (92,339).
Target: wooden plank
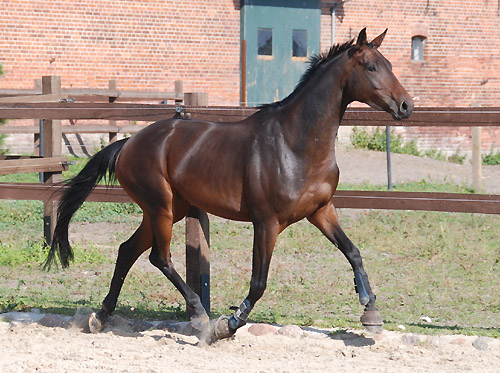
(419,201)
(423,201)
(102,128)
(93,93)
(17,166)
(19,129)
(8,92)
(107,111)
(468,117)
(35,98)
(44,192)
(149,95)
(148,112)
(14,156)
(78,128)
(219,114)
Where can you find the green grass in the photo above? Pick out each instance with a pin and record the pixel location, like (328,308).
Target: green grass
(441,265)
(417,186)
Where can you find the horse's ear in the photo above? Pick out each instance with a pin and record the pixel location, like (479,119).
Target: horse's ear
(361,38)
(375,43)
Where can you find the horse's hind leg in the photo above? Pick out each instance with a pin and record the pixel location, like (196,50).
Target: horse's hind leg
(162,220)
(326,219)
(128,254)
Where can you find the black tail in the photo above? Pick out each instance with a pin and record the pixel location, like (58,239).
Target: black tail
(100,165)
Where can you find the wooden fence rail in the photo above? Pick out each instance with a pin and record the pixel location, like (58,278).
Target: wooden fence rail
(422,116)
(378,200)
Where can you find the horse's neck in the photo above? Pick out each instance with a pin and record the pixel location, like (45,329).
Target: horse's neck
(313,117)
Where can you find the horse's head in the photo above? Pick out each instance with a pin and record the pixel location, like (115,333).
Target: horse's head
(372,81)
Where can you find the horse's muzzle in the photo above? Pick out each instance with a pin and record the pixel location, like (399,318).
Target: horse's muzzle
(405,109)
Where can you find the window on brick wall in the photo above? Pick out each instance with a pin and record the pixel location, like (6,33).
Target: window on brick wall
(265,42)
(417,48)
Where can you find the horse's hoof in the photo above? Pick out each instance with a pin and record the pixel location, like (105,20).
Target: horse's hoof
(95,325)
(221,329)
(374,329)
(372,321)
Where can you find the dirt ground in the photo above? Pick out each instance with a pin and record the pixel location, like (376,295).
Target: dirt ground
(50,345)
(359,166)
(34,342)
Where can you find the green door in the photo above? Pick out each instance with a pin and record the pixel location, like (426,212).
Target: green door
(280,37)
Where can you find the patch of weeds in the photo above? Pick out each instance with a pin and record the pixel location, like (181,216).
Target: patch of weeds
(15,302)
(20,213)
(94,212)
(361,138)
(457,157)
(376,140)
(492,158)
(435,154)
(90,255)
(30,252)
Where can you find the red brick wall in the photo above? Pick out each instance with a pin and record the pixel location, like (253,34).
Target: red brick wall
(142,44)
(148,44)
(462,55)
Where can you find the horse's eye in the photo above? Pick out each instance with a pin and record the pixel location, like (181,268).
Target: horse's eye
(371,68)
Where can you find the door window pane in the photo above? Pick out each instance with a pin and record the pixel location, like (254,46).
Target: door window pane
(265,42)
(299,47)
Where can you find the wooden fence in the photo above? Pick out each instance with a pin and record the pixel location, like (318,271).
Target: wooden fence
(197,237)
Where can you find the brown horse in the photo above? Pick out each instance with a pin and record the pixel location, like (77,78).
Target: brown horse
(273,169)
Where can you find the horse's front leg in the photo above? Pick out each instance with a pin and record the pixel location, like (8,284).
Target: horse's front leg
(263,246)
(326,220)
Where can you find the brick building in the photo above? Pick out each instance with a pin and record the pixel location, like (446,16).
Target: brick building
(446,52)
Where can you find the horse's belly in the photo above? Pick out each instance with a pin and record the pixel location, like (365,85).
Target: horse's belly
(219,194)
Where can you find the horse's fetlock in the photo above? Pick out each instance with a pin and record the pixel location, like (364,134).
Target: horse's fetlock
(240,316)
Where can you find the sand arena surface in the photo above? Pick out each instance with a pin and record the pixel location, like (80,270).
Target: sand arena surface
(29,346)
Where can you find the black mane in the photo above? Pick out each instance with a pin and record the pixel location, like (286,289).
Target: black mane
(315,62)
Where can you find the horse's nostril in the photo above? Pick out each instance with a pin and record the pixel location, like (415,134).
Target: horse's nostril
(404,107)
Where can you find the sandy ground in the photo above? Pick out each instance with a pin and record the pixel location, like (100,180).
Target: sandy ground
(32,342)
(28,346)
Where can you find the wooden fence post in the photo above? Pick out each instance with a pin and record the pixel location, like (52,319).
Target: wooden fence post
(51,142)
(196,99)
(198,235)
(179,90)
(36,122)
(113,136)
(198,255)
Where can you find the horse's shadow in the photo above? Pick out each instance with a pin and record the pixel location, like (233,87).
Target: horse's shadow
(351,339)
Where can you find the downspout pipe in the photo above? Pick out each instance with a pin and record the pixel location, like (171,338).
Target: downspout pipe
(332,14)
